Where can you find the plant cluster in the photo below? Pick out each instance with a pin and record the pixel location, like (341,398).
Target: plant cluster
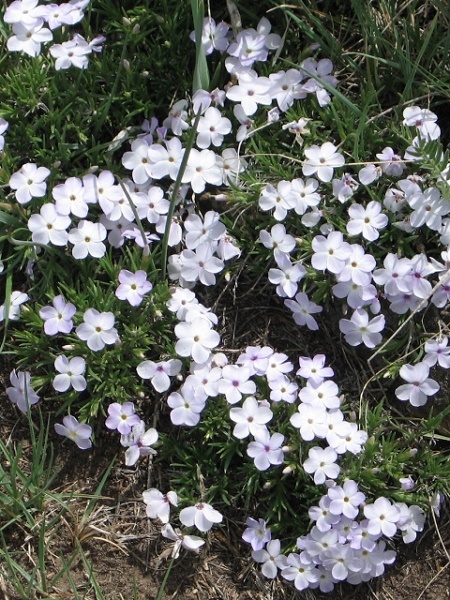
(103,272)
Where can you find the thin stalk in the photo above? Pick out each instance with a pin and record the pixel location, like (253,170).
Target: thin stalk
(164,581)
(176,189)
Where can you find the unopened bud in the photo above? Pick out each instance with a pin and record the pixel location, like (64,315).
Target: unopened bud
(136,28)
(126,21)
(126,64)
(287,470)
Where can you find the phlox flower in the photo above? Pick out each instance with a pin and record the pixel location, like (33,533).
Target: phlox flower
(29,38)
(189,542)
(87,238)
(122,417)
(22,11)
(305,194)
(29,182)
(235,382)
(383,517)
(201,515)
(356,295)
(200,230)
(412,522)
(98,329)
(369,174)
(58,318)
(133,286)
(436,351)
(138,443)
(419,386)
(180,301)
(330,252)
(227,248)
(249,47)
(424,120)
(270,558)
(391,165)
(303,309)
(212,127)
(415,282)
(322,516)
(138,161)
(257,534)
(186,406)
(74,53)
(346,499)
(251,418)
(300,569)
(250,91)
(280,198)
(286,88)
(102,189)
(21,393)
(202,99)
(69,198)
(49,227)
(277,240)
(177,119)
(366,220)
(159,373)
(266,450)
(70,374)
(202,168)
(232,165)
(158,504)
(394,271)
(344,188)
(278,365)
(80,433)
(322,160)
(346,437)
(342,560)
(310,420)
(322,70)
(165,160)
(282,389)
(256,358)
(358,329)
(324,394)
(196,339)
(3,127)
(322,462)
(314,368)
(358,267)
(16,299)
(429,208)
(214,36)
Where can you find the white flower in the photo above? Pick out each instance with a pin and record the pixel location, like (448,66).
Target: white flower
(21,393)
(138,442)
(87,239)
(29,182)
(266,449)
(15,300)
(322,160)
(28,38)
(202,515)
(360,330)
(419,386)
(98,329)
(71,374)
(159,373)
(196,339)
(49,226)
(158,504)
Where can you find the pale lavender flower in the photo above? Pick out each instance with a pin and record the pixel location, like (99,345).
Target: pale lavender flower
(266,450)
(257,534)
(251,418)
(270,558)
(58,318)
(303,309)
(419,386)
(79,433)
(358,329)
(70,374)
(133,286)
(122,417)
(383,517)
(159,373)
(138,443)
(322,462)
(48,226)
(21,393)
(16,299)
(98,329)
